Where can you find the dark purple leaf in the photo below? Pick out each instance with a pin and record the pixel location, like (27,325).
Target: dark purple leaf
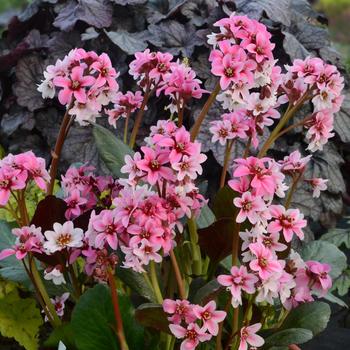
(220,232)
(128,42)
(199,11)
(49,210)
(175,37)
(29,72)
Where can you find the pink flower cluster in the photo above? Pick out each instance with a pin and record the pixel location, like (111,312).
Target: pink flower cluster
(193,323)
(124,105)
(157,70)
(257,182)
(16,171)
(143,222)
(83,190)
(324,84)
(86,81)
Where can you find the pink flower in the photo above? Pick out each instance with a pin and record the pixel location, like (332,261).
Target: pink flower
(8,183)
(181,310)
(271,242)
(221,130)
(262,48)
(74,203)
(239,280)
(189,166)
(210,317)
(249,337)
(131,167)
(192,335)
(153,164)
(106,226)
(262,180)
(74,86)
(289,221)
(250,207)
(318,185)
(265,263)
(107,73)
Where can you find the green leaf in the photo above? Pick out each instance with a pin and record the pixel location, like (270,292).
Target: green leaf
(334,299)
(64,334)
(223,206)
(136,282)
(206,217)
(20,319)
(11,268)
(93,321)
(2,152)
(287,337)
(325,252)
(338,237)
(207,292)
(152,315)
(111,149)
(342,283)
(312,316)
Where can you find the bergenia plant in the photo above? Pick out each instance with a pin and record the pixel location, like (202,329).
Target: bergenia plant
(191,279)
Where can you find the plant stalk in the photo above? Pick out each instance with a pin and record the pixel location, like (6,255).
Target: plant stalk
(197,125)
(178,276)
(228,149)
(118,318)
(154,281)
(56,153)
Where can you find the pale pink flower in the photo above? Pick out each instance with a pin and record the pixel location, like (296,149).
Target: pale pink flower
(239,280)
(318,185)
(289,221)
(189,166)
(249,337)
(264,263)
(210,317)
(192,335)
(181,310)
(250,206)
(131,167)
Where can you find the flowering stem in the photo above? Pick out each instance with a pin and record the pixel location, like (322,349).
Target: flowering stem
(178,277)
(139,115)
(49,307)
(126,130)
(228,149)
(235,328)
(196,253)
(218,345)
(154,281)
(292,190)
(118,318)
(56,153)
(204,112)
(289,113)
(235,240)
(295,125)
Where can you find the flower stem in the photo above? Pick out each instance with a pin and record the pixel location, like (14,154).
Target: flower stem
(197,125)
(291,110)
(218,345)
(196,253)
(178,276)
(56,153)
(118,318)
(49,307)
(228,149)
(154,281)
(139,115)
(126,130)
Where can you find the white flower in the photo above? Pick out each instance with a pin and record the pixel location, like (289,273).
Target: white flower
(61,346)
(47,88)
(56,276)
(63,236)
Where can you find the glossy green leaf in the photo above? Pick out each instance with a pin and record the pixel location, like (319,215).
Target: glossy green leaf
(338,237)
(342,283)
(287,337)
(312,316)
(111,149)
(93,321)
(223,206)
(206,217)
